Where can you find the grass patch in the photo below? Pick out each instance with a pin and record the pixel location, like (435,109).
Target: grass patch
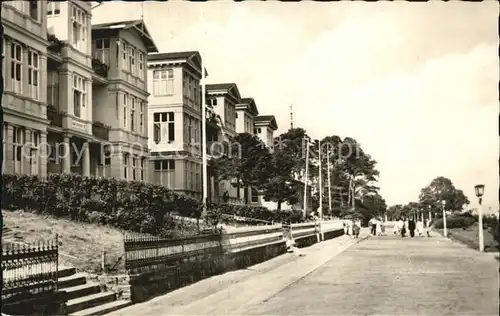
(80,244)
(470,237)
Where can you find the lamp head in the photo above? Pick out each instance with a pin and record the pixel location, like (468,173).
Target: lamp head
(479,190)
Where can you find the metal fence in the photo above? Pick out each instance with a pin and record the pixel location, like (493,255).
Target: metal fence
(29,269)
(147,253)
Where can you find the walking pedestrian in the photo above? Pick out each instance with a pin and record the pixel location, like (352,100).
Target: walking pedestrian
(373,226)
(428,227)
(382,228)
(379,227)
(356,230)
(403,227)
(420,227)
(411,227)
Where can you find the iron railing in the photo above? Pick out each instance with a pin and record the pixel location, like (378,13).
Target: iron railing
(100,131)
(29,269)
(100,68)
(147,253)
(54,116)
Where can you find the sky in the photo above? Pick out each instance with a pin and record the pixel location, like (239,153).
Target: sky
(416,84)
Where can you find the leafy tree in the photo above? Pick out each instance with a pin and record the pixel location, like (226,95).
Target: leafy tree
(247,165)
(440,189)
(372,206)
(286,164)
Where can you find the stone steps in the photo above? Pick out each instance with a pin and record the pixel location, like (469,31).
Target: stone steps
(86,298)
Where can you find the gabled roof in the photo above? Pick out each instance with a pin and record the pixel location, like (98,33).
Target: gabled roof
(190,57)
(248,104)
(269,120)
(229,88)
(137,25)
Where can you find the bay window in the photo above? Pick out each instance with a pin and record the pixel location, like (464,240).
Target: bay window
(16,67)
(53,88)
(131,56)
(101,51)
(34,161)
(143,167)
(141,65)
(4,144)
(164,127)
(125,108)
(134,168)
(124,48)
(79,29)
(33,73)
(30,8)
(141,117)
(18,140)
(132,113)
(164,172)
(79,95)
(163,82)
(125,165)
(53,8)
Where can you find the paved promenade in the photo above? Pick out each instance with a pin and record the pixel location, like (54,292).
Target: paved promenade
(378,276)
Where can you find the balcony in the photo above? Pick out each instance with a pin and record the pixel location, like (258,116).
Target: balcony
(100,68)
(214,149)
(55,45)
(100,131)
(54,116)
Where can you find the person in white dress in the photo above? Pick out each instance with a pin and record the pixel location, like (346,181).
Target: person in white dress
(420,228)
(378,228)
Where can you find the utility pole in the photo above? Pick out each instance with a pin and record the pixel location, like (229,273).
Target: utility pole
(320,183)
(306,178)
(329,182)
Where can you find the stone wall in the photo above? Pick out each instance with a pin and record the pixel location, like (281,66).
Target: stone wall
(165,279)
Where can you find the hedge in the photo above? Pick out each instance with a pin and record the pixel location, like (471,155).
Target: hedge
(465,220)
(129,205)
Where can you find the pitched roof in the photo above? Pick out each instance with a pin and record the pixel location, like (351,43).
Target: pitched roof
(270,119)
(193,56)
(231,89)
(252,107)
(138,25)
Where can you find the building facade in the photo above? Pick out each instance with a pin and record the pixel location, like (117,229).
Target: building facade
(175,115)
(223,98)
(24,100)
(78,95)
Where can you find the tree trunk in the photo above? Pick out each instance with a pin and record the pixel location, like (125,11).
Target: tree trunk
(245,194)
(238,188)
(279,206)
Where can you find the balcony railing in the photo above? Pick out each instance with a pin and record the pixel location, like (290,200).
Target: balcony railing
(100,68)
(100,130)
(54,116)
(55,45)
(214,149)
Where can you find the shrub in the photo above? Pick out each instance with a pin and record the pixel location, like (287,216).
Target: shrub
(251,215)
(455,221)
(129,205)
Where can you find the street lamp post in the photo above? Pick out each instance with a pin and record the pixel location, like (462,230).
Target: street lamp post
(304,213)
(479,193)
(443,202)
(430,213)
